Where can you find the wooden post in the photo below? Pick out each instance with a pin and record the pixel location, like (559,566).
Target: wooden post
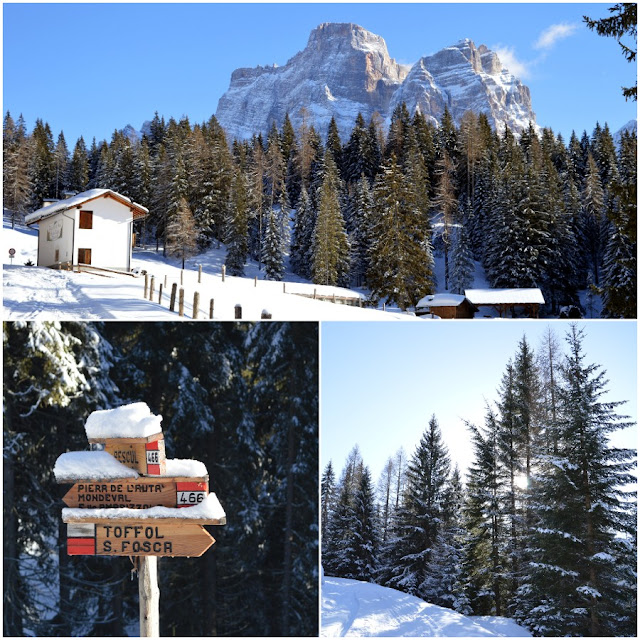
(165,280)
(160,294)
(196,304)
(181,277)
(146,284)
(181,302)
(334,297)
(255,281)
(265,315)
(149,595)
(174,290)
(284,287)
(238,309)
(224,270)
(211,309)
(152,287)
(314,294)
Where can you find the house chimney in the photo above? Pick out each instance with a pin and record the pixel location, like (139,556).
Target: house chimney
(47,201)
(68,194)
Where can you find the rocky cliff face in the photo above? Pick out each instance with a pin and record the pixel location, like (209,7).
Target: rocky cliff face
(346,69)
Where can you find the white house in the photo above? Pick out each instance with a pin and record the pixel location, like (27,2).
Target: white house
(94,227)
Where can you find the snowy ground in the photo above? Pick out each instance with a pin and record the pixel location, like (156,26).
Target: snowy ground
(31,293)
(352,608)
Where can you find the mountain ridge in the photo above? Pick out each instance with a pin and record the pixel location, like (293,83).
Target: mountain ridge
(345,69)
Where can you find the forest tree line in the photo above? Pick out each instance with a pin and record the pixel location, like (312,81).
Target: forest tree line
(369,211)
(241,398)
(543,527)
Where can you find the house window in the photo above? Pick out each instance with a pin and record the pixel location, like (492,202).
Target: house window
(86,219)
(84,256)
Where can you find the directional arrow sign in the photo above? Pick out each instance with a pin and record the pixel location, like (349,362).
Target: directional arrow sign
(139,493)
(142,539)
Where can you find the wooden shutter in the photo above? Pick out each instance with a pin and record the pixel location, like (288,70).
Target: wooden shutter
(86,219)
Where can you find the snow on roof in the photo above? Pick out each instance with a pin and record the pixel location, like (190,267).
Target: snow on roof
(441,300)
(209,509)
(504,296)
(128,421)
(96,465)
(185,469)
(74,201)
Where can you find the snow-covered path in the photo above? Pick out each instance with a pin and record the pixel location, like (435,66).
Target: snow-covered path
(353,608)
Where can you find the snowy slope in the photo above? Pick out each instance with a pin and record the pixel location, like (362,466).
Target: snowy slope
(352,608)
(31,293)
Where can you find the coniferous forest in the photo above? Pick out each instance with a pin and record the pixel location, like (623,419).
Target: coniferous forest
(541,527)
(241,398)
(536,210)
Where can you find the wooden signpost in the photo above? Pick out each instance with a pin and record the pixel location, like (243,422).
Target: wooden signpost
(140,493)
(147,516)
(91,539)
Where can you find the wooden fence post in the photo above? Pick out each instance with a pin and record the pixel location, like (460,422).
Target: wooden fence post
(224,271)
(165,280)
(314,294)
(238,309)
(160,294)
(149,595)
(146,284)
(181,302)
(199,273)
(174,290)
(181,277)
(211,309)
(196,304)
(255,281)
(152,287)
(284,287)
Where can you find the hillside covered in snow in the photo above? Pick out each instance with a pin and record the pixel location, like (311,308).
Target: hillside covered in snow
(353,608)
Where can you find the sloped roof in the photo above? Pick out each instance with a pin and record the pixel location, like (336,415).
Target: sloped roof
(81,198)
(441,300)
(504,296)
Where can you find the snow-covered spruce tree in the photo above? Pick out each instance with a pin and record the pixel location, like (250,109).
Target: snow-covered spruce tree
(360,235)
(445,581)
(446,205)
(363,548)
(336,560)
(419,520)
(581,577)
(620,260)
(327,501)
(237,238)
(484,522)
(462,266)
(593,218)
(273,248)
(301,243)
(283,360)
(54,375)
(401,264)
(42,166)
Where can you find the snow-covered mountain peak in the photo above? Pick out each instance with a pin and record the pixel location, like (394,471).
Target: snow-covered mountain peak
(345,70)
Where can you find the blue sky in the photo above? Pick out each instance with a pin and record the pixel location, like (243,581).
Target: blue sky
(88,69)
(381,382)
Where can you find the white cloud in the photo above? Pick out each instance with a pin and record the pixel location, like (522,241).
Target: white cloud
(509,61)
(552,34)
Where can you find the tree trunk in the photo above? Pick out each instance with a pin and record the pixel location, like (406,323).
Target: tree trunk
(12,618)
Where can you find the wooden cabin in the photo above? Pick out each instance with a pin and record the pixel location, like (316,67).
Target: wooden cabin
(506,301)
(445,305)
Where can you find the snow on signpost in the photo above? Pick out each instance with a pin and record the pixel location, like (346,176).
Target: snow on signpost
(129,500)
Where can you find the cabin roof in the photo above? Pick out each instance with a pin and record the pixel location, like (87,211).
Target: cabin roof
(82,198)
(504,296)
(441,300)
